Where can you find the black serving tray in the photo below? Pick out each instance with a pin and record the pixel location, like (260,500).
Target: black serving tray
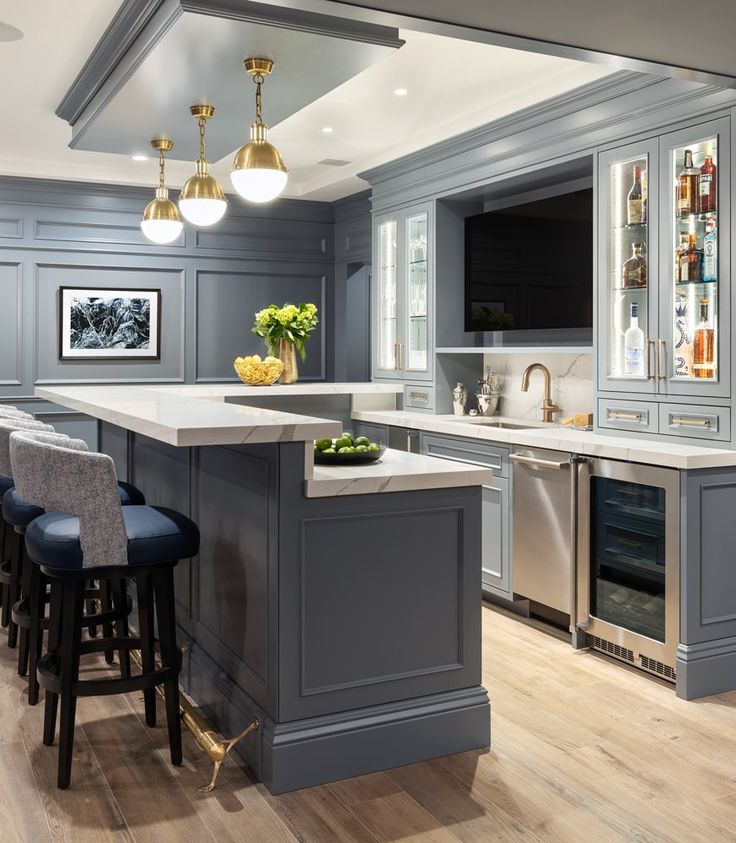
(348,459)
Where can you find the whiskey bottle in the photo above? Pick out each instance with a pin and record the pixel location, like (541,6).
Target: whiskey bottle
(679,252)
(707,186)
(635,209)
(691,262)
(634,346)
(687,186)
(710,251)
(634,271)
(704,346)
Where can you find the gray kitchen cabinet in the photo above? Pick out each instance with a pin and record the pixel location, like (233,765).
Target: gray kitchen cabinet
(397,438)
(496,506)
(683,306)
(402,311)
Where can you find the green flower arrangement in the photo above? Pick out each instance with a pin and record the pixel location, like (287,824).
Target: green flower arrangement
(293,323)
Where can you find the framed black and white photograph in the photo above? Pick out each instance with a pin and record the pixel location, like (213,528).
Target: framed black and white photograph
(109,324)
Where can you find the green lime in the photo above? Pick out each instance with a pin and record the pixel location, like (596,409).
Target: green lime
(343,442)
(361,449)
(329,451)
(323,444)
(348,449)
(362,440)
(347,435)
(374,446)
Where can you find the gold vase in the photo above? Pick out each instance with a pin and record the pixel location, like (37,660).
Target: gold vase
(287,355)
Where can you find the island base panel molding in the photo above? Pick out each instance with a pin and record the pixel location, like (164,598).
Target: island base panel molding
(350,625)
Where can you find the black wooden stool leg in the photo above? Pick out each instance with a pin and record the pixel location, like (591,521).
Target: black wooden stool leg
(16,564)
(91,609)
(25,591)
(37,599)
(3,557)
(106,604)
(145,624)
(163,585)
(71,635)
(120,589)
(52,699)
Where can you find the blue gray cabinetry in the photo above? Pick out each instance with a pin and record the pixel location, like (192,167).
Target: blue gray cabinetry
(496,506)
(403,290)
(673,394)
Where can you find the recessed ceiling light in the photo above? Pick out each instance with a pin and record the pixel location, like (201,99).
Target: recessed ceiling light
(328,130)
(400,92)
(139,157)
(9,33)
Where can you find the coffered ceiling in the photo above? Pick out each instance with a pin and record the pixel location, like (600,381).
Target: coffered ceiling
(451,86)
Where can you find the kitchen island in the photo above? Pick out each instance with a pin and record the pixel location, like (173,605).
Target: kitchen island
(342,610)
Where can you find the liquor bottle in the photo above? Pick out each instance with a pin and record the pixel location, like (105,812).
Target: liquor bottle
(634,270)
(635,201)
(683,362)
(687,182)
(691,262)
(634,346)
(704,346)
(679,252)
(707,186)
(710,251)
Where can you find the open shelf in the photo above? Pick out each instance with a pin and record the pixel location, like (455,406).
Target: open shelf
(519,349)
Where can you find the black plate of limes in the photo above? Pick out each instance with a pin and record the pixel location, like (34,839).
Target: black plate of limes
(347,449)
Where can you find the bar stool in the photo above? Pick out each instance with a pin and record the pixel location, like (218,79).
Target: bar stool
(10,572)
(102,539)
(18,514)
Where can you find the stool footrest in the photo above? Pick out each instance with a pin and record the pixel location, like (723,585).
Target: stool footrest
(5,574)
(50,681)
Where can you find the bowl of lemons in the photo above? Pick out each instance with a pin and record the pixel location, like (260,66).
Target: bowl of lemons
(256,372)
(347,449)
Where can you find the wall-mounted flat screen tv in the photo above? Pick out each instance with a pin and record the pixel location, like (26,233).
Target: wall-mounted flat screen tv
(530,266)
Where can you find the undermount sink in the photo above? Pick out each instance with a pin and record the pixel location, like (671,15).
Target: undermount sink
(505,425)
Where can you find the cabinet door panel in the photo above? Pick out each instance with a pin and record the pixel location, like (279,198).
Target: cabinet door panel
(415,359)
(627,268)
(695,261)
(495,550)
(387,299)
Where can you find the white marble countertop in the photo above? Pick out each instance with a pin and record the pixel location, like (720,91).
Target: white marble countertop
(558,438)
(396,471)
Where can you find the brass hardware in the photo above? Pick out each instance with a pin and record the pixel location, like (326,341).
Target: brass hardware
(258,67)
(202,111)
(402,366)
(396,356)
(650,346)
(162,144)
(629,542)
(161,209)
(216,747)
(202,186)
(661,363)
(691,422)
(549,408)
(617,415)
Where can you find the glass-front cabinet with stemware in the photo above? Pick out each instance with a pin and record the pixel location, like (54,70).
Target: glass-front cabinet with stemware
(664,283)
(402,296)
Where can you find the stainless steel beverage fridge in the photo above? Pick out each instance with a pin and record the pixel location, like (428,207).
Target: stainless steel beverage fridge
(628,562)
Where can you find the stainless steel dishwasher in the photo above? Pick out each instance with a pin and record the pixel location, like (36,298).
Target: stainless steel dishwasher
(543,544)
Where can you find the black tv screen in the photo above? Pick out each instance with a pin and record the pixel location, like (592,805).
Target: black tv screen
(530,266)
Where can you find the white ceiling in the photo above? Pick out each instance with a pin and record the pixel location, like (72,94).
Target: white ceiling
(452,86)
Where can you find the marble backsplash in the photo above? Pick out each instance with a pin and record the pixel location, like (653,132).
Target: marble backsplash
(572,383)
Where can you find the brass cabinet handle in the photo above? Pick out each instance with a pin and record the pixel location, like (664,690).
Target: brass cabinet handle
(661,364)
(690,422)
(396,357)
(650,345)
(617,415)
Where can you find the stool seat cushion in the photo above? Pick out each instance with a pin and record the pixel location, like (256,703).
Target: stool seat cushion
(5,483)
(154,534)
(20,513)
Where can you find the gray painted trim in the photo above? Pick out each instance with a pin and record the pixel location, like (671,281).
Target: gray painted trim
(706,668)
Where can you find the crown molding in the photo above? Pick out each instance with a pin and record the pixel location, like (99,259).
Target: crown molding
(350,207)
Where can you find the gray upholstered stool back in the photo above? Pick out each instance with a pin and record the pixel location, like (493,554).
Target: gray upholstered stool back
(67,479)
(9,412)
(7,426)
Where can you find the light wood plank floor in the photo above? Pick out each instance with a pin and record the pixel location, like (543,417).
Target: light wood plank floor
(583,750)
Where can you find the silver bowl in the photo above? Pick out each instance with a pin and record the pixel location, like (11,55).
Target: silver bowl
(487,404)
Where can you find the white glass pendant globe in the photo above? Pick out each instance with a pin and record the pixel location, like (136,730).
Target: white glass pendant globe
(257,185)
(202,212)
(161,231)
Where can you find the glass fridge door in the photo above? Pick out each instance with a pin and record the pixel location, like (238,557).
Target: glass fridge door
(696,254)
(387,303)
(417,263)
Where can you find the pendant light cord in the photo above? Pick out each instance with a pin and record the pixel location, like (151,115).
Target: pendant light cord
(161,180)
(258,78)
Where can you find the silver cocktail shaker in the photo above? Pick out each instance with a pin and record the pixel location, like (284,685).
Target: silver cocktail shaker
(459,399)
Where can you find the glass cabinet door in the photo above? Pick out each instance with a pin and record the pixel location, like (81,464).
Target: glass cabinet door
(695,243)
(628,305)
(387,301)
(415,357)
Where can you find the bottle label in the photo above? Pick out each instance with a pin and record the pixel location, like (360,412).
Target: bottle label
(709,259)
(684,276)
(633,361)
(636,211)
(705,183)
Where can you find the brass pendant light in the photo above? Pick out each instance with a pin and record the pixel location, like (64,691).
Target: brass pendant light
(161,222)
(202,199)
(259,173)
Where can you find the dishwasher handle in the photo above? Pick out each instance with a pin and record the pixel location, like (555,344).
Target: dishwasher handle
(537,462)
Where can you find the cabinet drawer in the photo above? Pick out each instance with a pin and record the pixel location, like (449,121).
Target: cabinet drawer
(467,450)
(639,416)
(695,421)
(419,397)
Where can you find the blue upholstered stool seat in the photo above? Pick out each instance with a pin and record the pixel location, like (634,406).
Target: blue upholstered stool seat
(20,513)
(5,483)
(154,534)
